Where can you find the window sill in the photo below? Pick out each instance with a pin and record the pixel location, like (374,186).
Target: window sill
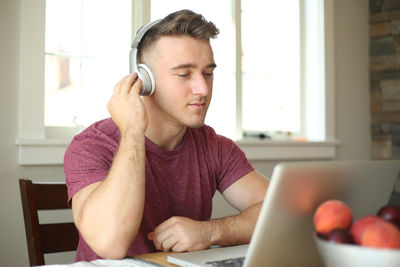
(42,151)
(288,150)
(51,151)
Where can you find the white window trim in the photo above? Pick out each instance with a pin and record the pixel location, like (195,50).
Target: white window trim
(37,149)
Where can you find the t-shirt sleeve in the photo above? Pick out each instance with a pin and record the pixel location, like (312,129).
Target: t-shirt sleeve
(233,163)
(87,160)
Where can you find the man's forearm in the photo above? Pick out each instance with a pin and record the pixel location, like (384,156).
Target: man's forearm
(235,230)
(115,207)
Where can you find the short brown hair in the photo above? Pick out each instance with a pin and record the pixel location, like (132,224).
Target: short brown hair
(183,22)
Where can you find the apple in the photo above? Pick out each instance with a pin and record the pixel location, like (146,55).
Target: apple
(340,236)
(381,234)
(390,213)
(331,215)
(358,228)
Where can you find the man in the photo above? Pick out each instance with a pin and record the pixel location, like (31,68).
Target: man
(144,180)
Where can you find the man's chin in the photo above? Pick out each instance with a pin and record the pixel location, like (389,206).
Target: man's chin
(196,125)
(196,121)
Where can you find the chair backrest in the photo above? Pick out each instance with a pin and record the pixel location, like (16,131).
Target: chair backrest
(51,237)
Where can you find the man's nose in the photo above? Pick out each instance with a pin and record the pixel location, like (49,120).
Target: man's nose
(201,86)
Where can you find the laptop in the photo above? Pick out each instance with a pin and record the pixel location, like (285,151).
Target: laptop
(283,235)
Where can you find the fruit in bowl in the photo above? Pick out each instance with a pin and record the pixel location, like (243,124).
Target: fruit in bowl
(390,213)
(358,228)
(373,240)
(340,236)
(331,215)
(381,234)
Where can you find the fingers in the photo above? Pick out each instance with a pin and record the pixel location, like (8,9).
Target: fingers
(162,236)
(126,107)
(137,86)
(150,236)
(128,83)
(173,234)
(167,244)
(163,240)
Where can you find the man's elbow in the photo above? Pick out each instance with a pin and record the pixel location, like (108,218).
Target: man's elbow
(109,244)
(110,248)
(111,252)
(108,241)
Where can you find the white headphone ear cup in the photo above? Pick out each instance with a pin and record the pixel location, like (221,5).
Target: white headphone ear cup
(147,77)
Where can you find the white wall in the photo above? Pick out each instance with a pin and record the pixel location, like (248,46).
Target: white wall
(352,116)
(352,78)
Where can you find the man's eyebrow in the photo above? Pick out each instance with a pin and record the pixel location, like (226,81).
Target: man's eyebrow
(190,66)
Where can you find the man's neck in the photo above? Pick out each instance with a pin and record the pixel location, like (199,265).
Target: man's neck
(165,136)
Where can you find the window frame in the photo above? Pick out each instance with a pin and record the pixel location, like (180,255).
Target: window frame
(37,147)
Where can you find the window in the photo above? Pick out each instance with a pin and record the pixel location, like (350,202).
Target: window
(84,58)
(305,99)
(274,63)
(270,66)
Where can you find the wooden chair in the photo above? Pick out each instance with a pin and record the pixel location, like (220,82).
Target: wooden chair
(45,238)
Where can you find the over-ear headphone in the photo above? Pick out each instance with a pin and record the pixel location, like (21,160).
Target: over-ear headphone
(144,72)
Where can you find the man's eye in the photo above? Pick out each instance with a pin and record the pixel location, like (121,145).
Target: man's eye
(183,74)
(210,74)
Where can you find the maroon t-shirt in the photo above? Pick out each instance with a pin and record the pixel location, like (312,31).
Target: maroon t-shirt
(181,182)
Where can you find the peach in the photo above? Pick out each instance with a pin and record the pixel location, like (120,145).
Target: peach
(381,234)
(331,215)
(358,228)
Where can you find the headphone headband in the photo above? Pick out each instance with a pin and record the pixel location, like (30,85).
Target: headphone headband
(142,31)
(144,72)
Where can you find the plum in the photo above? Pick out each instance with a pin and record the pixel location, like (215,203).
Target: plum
(340,236)
(390,213)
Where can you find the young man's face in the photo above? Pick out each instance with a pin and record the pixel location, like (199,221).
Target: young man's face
(183,69)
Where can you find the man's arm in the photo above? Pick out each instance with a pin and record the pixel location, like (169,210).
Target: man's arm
(108,213)
(183,234)
(247,195)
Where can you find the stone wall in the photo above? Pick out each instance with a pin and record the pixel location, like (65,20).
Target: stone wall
(385,78)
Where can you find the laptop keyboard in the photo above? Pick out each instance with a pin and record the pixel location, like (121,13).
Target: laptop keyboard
(234,262)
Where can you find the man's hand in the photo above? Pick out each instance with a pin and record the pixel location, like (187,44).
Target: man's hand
(181,234)
(126,107)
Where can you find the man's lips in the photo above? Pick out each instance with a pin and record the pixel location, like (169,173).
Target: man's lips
(197,105)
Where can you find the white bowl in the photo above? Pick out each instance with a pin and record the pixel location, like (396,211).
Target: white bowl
(343,255)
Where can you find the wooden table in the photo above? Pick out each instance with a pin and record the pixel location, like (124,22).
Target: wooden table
(157,257)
